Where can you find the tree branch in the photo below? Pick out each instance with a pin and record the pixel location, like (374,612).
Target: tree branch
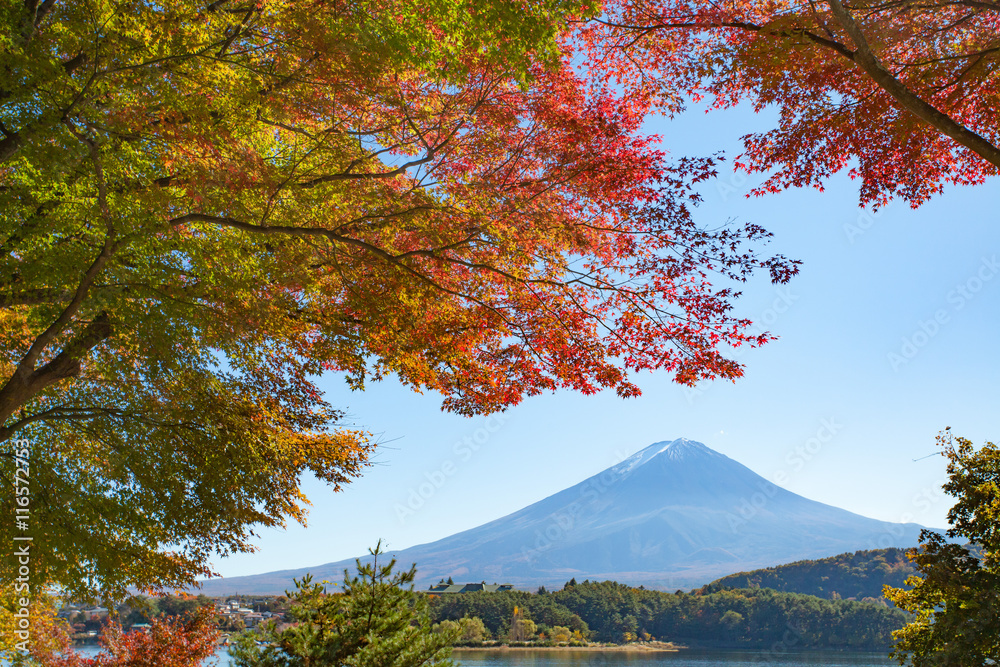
(22,387)
(34,297)
(26,381)
(910,101)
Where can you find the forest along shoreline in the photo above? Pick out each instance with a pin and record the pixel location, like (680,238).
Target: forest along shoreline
(637,647)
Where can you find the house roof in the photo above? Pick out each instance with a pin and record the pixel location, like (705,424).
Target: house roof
(470,588)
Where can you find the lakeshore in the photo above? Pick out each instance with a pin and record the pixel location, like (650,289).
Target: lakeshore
(689,657)
(637,647)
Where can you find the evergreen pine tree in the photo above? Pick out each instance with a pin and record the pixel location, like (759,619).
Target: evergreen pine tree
(377,621)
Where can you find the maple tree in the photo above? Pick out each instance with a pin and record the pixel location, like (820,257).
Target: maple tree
(903,92)
(167,642)
(203,206)
(19,621)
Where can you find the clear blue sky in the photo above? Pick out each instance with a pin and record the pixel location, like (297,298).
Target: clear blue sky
(826,406)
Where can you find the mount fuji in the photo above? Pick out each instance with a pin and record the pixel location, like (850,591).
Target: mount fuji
(674,515)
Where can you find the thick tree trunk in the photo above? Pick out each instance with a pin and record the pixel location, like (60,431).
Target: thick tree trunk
(25,385)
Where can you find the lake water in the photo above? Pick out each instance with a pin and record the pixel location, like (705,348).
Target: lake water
(682,658)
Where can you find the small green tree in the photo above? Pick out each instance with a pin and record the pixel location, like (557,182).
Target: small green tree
(177,605)
(473,630)
(446,626)
(377,621)
(956,598)
(561,634)
(523,630)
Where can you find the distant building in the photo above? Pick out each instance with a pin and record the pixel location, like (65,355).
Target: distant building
(68,610)
(91,613)
(470,588)
(252,619)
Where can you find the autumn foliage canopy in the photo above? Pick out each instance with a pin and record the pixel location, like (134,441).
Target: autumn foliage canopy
(903,94)
(206,205)
(167,642)
(203,206)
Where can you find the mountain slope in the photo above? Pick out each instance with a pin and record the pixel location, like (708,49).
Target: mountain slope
(673,515)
